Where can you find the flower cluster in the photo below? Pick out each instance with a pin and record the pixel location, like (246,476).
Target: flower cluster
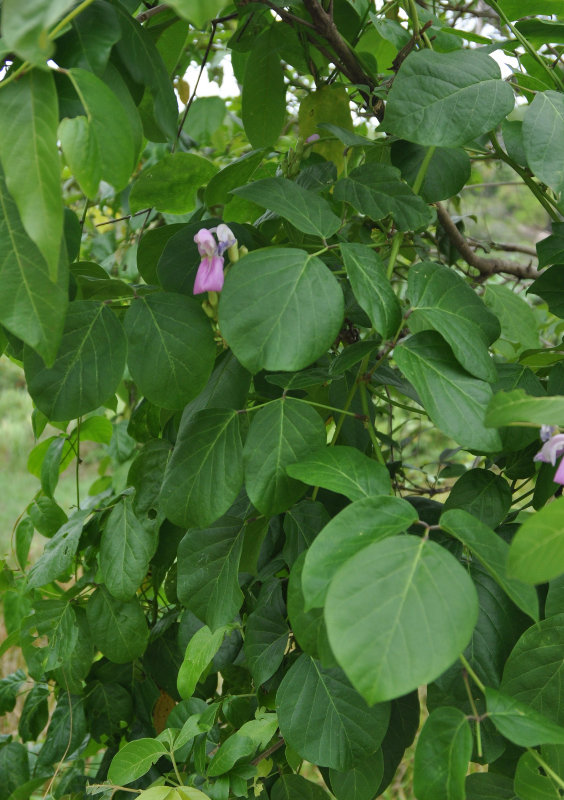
(552,448)
(209,277)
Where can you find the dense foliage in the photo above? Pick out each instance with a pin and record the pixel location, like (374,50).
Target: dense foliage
(326,423)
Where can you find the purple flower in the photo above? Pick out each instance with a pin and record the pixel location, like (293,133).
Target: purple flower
(551,450)
(313,138)
(209,277)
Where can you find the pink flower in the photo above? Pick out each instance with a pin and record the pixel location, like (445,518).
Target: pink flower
(550,451)
(209,277)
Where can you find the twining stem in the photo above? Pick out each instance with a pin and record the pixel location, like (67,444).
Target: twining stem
(475,713)
(77,469)
(364,400)
(472,674)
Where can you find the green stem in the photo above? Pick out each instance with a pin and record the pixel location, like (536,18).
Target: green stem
(412,10)
(348,401)
(16,73)
(423,169)
(77,470)
(329,408)
(368,425)
(396,244)
(527,45)
(70,16)
(542,763)
(472,674)
(475,713)
(176,772)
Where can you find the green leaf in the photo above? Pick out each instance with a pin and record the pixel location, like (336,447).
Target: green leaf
(205,473)
(344,470)
(454,400)
(308,627)
(489,786)
(531,782)
(442,755)
(519,723)
(197,11)
(172,184)
(25,27)
(88,367)
(171,350)
(51,465)
(305,209)
(65,733)
(447,99)
(29,116)
(208,571)
(448,170)
(35,713)
(108,705)
(361,782)
(150,249)
(145,64)
(200,651)
(294,787)
(536,554)
(89,42)
(551,249)
(119,628)
(126,548)
(515,9)
(9,690)
(326,112)
(518,322)
(483,494)
(32,307)
(227,387)
(266,636)
(323,718)
(59,552)
(543,137)
(279,434)
(262,305)
(549,287)
(355,527)
(372,289)
(377,191)
(492,552)
(264,92)
(302,523)
(134,760)
(389,648)
(98,146)
(238,173)
(442,301)
(516,407)
(533,672)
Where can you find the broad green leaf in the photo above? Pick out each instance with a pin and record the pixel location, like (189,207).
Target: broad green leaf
(326,112)
(377,191)
(294,787)
(533,672)
(145,64)
(32,307)
(344,470)
(361,782)
(65,733)
(88,367)
(171,350)
(51,466)
(227,387)
(108,705)
(266,635)
(236,747)
(489,786)
(89,42)
(531,782)
(205,473)
(551,249)
(323,718)
(404,724)
(198,11)
(134,760)
(262,304)
(519,723)
(9,690)
(305,209)
(29,116)
(447,99)
(515,9)
(389,647)
(308,627)
(372,288)
(442,755)
(118,628)
(302,523)
(518,322)
(235,174)
(200,651)
(483,494)
(98,146)
(208,570)
(492,552)
(126,548)
(171,185)
(14,768)
(516,407)
(150,249)
(25,27)
(76,666)
(355,527)
(543,137)
(447,173)
(536,554)
(454,400)
(549,287)
(264,92)
(279,434)
(59,552)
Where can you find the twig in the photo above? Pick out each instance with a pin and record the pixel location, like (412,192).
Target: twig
(509,248)
(151,12)
(485,266)
(268,752)
(121,219)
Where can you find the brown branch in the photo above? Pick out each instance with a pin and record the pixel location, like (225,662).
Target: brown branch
(509,248)
(151,12)
(272,749)
(485,266)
